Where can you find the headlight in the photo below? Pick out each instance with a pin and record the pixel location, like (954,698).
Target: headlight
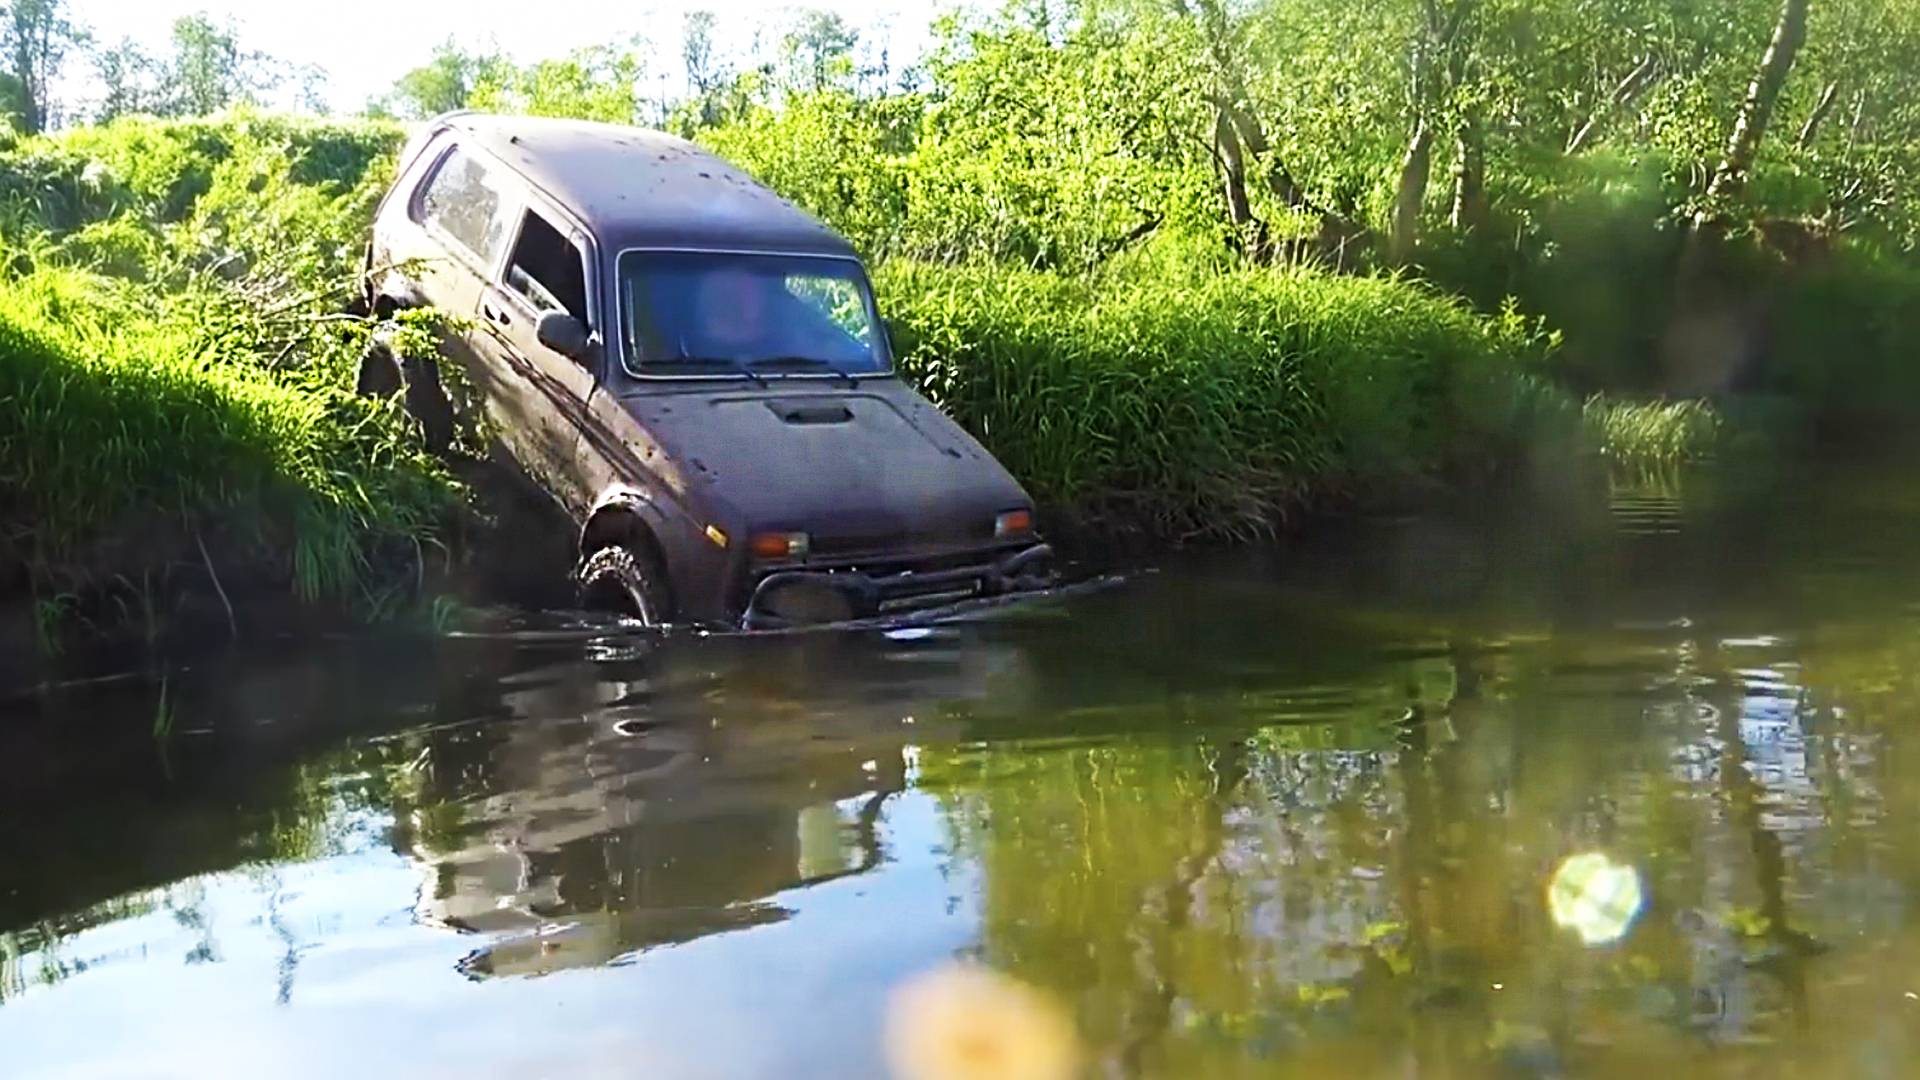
(781,545)
(1013,523)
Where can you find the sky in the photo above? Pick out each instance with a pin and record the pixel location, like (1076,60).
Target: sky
(364,45)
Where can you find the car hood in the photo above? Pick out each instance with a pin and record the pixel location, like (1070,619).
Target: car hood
(859,469)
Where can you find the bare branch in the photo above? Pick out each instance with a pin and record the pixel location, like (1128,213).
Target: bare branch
(1648,74)
(1810,130)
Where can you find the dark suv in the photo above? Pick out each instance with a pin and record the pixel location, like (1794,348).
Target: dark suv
(695,369)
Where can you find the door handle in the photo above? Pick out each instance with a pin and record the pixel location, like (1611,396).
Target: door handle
(500,316)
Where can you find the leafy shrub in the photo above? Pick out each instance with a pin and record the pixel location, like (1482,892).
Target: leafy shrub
(114,425)
(1216,402)
(1846,338)
(168,373)
(1650,434)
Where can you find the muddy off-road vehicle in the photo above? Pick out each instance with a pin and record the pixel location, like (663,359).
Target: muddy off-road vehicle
(695,370)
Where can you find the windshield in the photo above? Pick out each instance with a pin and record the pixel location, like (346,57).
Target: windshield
(689,313)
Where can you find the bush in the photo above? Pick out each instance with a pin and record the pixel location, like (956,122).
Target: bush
(168,378)
(1651,434)
(1213,403)
(117,431)
(1846,339)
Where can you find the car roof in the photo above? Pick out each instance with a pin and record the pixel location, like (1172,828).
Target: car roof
(647,189)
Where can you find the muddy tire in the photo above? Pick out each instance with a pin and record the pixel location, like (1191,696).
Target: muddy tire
(382,374)
(615,579)
(379,371)
(427,402)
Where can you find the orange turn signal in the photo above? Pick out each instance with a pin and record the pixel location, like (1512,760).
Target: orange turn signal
(1013,523)
(780,545)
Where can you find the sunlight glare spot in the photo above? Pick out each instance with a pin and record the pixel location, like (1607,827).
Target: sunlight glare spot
(1595,897)
(964,1022)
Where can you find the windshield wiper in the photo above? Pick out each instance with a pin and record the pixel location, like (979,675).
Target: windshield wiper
(738,367)
(853,381)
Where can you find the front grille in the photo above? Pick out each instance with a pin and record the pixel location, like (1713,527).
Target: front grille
(845,547)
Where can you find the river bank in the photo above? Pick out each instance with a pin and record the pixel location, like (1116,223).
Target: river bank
(183,453)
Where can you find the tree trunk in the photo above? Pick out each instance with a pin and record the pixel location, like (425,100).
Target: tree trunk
(1247,229)
(1762,96)
(1234,107)
(1470,210)
(32,94)
(1439,38)
(1415,170)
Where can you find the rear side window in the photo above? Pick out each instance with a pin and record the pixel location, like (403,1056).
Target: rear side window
(547,269)
(465,200)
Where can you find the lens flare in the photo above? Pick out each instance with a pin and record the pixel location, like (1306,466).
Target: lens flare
(1595,897)
(969,1023)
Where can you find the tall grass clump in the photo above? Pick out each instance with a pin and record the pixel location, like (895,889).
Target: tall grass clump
(175,388)
(1211,403)
(126,444)
(1647,435)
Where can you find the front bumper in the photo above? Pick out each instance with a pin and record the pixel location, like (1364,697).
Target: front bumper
(798,597)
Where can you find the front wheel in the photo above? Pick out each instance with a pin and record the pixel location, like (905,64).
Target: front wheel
(615,579)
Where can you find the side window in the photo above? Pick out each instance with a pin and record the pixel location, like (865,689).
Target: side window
(466,202)
(547,269)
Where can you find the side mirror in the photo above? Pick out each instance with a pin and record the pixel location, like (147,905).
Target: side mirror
(562,333)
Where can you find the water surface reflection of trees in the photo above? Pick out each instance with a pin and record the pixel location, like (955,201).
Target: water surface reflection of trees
(1368,893)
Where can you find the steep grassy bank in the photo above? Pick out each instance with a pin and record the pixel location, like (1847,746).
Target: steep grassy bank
(127,443)
(1217,403)
(176,414)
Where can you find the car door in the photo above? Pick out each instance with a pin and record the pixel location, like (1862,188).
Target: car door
(548,268)
(461,217)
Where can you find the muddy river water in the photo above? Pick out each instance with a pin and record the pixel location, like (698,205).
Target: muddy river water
(1613,784)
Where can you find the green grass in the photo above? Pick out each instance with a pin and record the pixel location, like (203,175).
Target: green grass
(125,442)
(1650,434)
(172,392)
(1214,403)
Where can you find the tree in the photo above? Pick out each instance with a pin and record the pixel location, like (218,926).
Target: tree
(1437,66)
(818,49)
(444,83)
(595,83)
(696,50)
(707,78)
(210,71)
(310,93)
(130,78)
(37,35)
(1756,113)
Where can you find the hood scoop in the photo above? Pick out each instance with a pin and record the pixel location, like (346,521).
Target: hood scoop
(811,412)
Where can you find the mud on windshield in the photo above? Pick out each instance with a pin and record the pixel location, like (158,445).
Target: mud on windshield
(698,313)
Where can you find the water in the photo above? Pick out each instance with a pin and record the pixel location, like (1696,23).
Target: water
(1594,788)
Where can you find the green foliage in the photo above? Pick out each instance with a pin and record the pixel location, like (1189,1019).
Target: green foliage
(1846,338)
(130,432)
(1651,434)
(170,373)
(35,38)
(594,83)
(209,70)
(444,83)
(1211,403)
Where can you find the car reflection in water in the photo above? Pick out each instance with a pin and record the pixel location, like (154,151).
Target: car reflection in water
(651,801)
